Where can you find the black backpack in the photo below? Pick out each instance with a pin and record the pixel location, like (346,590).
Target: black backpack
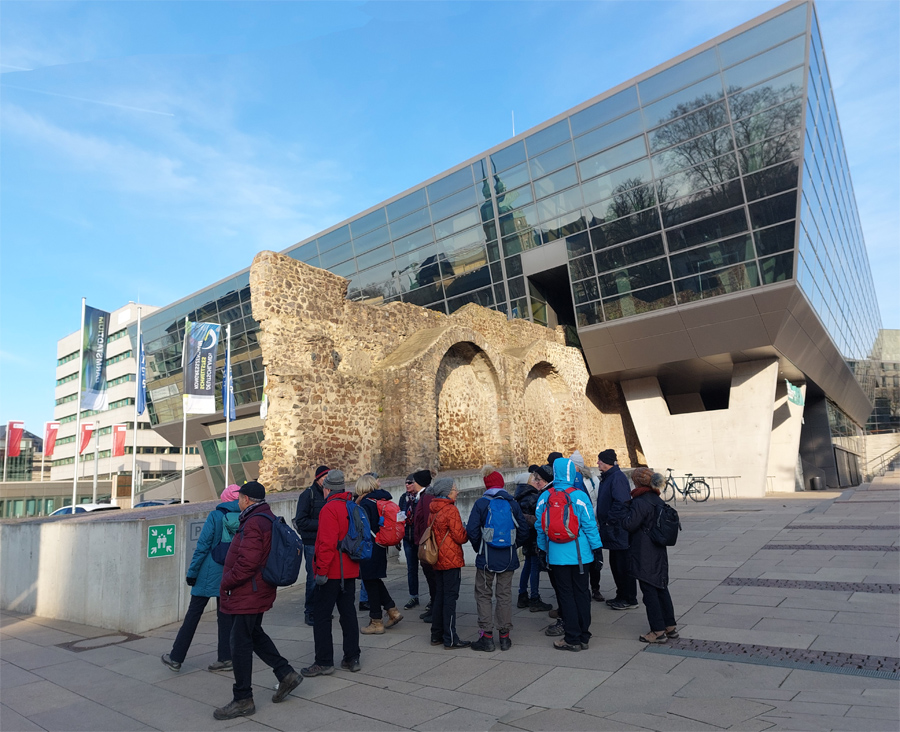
(664,529)
(285,556)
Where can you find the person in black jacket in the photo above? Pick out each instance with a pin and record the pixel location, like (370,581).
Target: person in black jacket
(613,499)
(526,496)
(306,521)
(648,561)
(408,503)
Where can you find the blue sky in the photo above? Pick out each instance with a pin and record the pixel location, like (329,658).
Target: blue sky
(139,139)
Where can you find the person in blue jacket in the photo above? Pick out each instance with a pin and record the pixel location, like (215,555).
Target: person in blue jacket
(204,577)
(570,561)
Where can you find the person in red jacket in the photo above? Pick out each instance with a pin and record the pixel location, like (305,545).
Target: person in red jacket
(336,577)
(245,595)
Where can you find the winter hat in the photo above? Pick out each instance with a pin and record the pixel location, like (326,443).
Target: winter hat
(657,482)
(522,478)
(545,473)
(607,457)
(230,493)
(576,458)
(253,489)
(494,480)
(641,476)
(422,477)
(442,487)
(411,478)
(334,481)
(551,458)
(533,467)
(321,470)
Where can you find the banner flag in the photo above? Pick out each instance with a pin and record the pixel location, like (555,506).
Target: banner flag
(141,377)
(229,408)
(93,367)
(50,431)
(264,404)
(201,342)
(87,431)
(119,431)
(14,432)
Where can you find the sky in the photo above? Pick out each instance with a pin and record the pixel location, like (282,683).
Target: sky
(150,149)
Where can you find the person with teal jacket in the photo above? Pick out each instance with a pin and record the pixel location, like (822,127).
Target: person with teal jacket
(570,560)
(204,577)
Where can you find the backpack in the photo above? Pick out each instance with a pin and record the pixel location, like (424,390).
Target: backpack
(392,531)
(500,526)
(429,549)
(559,521)
(357,542)
(285,555)
(665,527)
(229,529)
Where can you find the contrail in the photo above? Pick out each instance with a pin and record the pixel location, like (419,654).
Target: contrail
(17,68)
(90,101)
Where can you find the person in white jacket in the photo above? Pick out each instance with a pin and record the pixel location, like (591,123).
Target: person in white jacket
(589,484)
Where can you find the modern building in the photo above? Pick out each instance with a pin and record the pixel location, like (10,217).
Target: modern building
(157,458)
(885,417)
(695,231)
(26,465)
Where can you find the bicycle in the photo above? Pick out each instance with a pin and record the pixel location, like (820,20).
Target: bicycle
(695,488)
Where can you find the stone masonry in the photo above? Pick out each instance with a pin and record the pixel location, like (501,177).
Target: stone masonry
(398,387)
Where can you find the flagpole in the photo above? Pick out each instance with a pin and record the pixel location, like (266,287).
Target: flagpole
(96,458)
(183,441)
(78,407)
(227,398)
(6,452)
(43,451)
(138,386)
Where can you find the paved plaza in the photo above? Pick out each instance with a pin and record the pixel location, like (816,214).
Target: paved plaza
(757,613)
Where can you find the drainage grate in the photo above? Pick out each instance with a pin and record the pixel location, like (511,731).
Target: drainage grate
(101,641)
(834,547)
(878,588)
(847,527)
(882,667)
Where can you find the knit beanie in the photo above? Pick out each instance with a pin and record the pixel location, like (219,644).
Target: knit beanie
(230,493)
(494,480)
(545,473)
(422,477)
(442,487)
(551,458)
(334,481)
(321,470)
(576,458)
(607,457)
(641,476)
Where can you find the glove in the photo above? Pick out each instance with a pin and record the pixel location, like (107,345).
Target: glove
(598,558)
(191,581)
(321,579)
(542,559)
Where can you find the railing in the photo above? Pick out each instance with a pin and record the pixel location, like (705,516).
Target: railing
(882,463)
(723,484)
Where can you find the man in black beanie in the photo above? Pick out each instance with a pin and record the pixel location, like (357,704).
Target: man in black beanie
(408,503)
(613,500)
(422,483)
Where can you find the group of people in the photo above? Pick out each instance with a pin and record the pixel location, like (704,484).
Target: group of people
(559,519)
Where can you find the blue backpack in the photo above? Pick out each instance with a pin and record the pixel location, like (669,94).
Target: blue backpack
(500,526)
(285,556)
(357,544)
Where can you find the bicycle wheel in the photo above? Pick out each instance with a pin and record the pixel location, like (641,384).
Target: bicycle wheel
(698,490)
(668,491)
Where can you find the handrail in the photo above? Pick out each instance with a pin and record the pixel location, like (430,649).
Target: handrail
(884,463)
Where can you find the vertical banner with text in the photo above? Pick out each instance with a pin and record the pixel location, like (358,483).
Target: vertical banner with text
(141,377)
(14,432)
(119,432)
(93,379)
(201,342)
(87,431)
(51,429)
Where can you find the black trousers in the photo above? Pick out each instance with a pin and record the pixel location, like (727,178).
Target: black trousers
(595,576)
(379,598)
(658,602)
(189,627)
(443,608)
(626,585)
(573,593)
(247,638)
(555,591)
(343,594)
(429,573)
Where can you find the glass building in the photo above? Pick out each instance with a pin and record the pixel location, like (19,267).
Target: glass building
(717,177)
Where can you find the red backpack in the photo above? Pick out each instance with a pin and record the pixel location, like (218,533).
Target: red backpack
(559,521)
(391,531)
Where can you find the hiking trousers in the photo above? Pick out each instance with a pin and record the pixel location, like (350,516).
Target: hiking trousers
(626,585)
(343,594)
(189,627)
(443,609)
(573,594)
(247,638)
(502,608)
(658,601)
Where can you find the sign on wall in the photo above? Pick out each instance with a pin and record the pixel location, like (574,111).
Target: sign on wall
(161,541)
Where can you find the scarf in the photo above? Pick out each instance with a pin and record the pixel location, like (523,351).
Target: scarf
(641,490)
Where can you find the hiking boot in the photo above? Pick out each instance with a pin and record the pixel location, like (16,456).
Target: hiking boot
(393,618)
(363,606)
(308,619)
(561,645)
(236,708)
(537,605)
(286,686)
(558,628)
(220,666)
(624,605)
(458,644)
(484,643)
(505,642)
(411,603)
(427,612)
(523,600)
(597,596)
(427,617)
(351,664)
(316,670)
(174,665)
(375,627)
(554,613)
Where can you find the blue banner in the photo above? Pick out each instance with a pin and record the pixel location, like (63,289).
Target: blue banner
(93,364)
(229,408)
(141,377)
(201,341)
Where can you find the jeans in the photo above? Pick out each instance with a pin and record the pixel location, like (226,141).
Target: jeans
(247,638)
(443,608)
(531,572)
(189,627)
(502,608)
(412,567)
(309,552)
(626,585)
(574,601)
(379,597)
(363,592)
(658,602)
(343,594)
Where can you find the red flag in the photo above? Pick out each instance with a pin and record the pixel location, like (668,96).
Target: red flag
(14,432)
(50,431)
(118,440)
(87,431)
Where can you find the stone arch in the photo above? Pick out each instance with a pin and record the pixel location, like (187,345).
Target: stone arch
(546,400)
(467,395)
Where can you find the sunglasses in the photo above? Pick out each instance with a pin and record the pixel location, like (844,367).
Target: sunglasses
(409,482)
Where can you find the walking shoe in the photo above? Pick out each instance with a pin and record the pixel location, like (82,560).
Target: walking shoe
(286,686)
(558,628)
(236,708)
(351,664)
(537,605)
(523,600)
(561,645)
(427,617)
(411,603)
(375,627)
(220,666)
(308,619)
(505,642)
(393,617)
(484,643)
(427,612)
(437,641)
(167,659)
(598,597)
(672,632)
(653,637)
(316,670)
(624,605)
(458,644)
(364,606)
(554,613)
(584,646)
(613,601)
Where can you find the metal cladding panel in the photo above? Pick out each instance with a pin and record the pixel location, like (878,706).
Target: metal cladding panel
(729,335)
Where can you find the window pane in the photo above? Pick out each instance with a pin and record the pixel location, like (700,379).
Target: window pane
(545,139)
(642,301)
(709,284)
(578,245)
(586,290)
(424,296)
(346,269)
(626,201)
(763,36)
(767,124)
(453,204)
(607,135)
(526,218)
(774,150)
(712,256)
(621,230)
(777,269)
(305,253)
(687,100)
(512,178)
(636,251)
(581,268)
(697,67)
(716,227)
(765,95)
(699,177)
(776,239)
(601,112)
(615,183)
(456,223)
(562,227)
(371,240)
(338,254)
(561,203)
(482,297)
(413,241)
(550,161)
(516,288)
(699,205)
(771,180)
(770,63)
(468,281)
(368,222)
(692,152)
(589,314)
(450,184)
(692,125)
(376,256)
(413,202)
(557,181)
(773,210)
(413,222)
(634,277)
(516,199)
(508,156)
(613,158)
(333,238)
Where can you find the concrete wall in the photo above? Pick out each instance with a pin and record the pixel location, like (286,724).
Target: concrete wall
(722,442)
